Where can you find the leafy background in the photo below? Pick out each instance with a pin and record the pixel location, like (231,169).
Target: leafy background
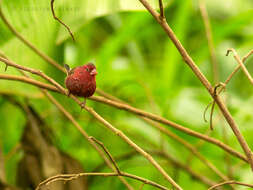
(137,63)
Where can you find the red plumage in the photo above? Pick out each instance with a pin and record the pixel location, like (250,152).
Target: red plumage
(81,81)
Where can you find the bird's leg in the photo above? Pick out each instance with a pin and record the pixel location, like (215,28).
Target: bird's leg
(83,103)
(68,93)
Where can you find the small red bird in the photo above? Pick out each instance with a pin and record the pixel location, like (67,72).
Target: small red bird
(81,80)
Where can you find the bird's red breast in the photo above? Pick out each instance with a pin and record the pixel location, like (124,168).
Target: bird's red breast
(81,81)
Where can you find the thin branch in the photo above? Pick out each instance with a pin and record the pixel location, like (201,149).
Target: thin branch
(230,182)
(188,146)
(56,18)
(204,113)
(188,60)
(168,157)
(239,61)
(161,9)
(211,115)
(34,71)
(238,67)
(30,81)
(107,152)
(69,177)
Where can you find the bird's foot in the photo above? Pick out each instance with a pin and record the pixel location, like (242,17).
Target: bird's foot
(83,104)
(68,93)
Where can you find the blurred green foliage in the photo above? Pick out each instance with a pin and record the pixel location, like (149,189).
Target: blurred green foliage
(138,63)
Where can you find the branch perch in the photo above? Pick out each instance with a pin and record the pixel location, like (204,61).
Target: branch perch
(188,60)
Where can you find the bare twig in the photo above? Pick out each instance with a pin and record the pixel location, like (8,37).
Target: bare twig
(30,81)
(107,152)
(34,71)
(239,61)
(204,113)
(188,60)
(238,67)
(211,115)
(56,18)
(161,9)
(69,177)
(188,146)
(168,157)
(230,182)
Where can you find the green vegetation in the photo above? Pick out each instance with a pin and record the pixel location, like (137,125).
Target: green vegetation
(137,63)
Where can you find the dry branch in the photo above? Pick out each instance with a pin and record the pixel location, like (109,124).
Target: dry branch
(188,60)
(239,61)
(184,167)
(69,177)
(230,182)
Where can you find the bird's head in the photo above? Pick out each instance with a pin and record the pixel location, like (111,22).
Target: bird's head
(91,69)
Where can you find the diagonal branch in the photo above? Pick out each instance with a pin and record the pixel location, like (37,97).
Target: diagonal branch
(161,9)
(69,177)
(107,152)
(230,182)
(239,61)
(188,60)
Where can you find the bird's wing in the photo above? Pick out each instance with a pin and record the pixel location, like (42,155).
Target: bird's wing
(69,71)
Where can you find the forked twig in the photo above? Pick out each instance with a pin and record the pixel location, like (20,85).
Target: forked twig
(161,9)
(69,177)
(230,182)
(107,152)
(56,18)
(239,61)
